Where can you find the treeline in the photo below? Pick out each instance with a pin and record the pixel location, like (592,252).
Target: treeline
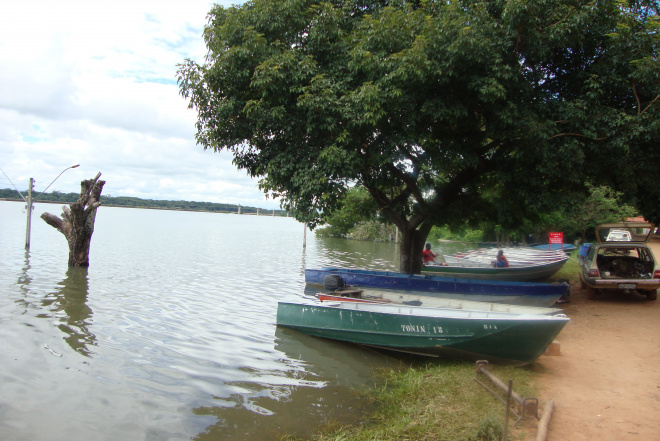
(132,202)
(360,219)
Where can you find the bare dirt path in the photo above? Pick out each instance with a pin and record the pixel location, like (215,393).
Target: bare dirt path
(606,382)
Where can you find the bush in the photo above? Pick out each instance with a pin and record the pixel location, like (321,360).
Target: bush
(372,230)
(464,235)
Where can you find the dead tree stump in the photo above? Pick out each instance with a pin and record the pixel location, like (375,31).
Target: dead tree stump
(77,223)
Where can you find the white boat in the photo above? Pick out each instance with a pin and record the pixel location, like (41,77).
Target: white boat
(516,257)
(410,299)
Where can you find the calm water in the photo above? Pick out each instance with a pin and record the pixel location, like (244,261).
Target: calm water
(170,334)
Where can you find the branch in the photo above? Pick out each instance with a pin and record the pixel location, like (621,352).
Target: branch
(639,105)
(66,213)
(651,103)
(92,207)
(54,221)
(411,184)
(86,189)
(452,189)
(576,134)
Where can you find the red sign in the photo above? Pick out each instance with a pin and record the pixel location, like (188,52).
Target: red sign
(556,237)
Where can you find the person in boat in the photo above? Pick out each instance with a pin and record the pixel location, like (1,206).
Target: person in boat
(500,260)
(428,255)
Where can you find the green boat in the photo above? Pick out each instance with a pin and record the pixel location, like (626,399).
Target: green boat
(498,337)
(515,273)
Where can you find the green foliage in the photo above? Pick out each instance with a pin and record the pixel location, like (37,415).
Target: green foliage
(490,429)
(602,205)
(439,401)
(445,112)
(571,269)
(464,234)
(373,231)
(358,218)
(356,206)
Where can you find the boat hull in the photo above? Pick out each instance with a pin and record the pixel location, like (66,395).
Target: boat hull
(520,293)
(472,335)
(518,273)
(566,247)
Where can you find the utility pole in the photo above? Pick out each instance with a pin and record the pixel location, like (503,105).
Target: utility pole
(29,215)
(30,202)
(30,207)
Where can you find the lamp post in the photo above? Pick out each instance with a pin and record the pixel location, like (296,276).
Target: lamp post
(30,202)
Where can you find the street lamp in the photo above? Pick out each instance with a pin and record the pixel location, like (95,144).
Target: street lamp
(30,202)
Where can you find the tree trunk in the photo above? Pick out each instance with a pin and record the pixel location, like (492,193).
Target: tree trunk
(411,247)
(77,223)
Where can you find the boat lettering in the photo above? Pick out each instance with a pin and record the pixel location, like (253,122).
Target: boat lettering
(413,328)
(437,330)
(486,326)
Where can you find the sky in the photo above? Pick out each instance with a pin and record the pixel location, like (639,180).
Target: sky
(94,83)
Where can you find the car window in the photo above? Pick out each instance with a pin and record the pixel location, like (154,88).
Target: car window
(618,236)
(624,232)
(590,253)
(646,255)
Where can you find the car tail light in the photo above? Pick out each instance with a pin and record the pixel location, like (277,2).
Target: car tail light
(594,273)
(656,274)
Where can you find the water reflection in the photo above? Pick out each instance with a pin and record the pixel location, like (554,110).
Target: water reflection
(313,390)
(69,304)
(337,252)
(24,281)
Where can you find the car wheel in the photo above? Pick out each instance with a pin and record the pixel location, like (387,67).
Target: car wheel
(651,294)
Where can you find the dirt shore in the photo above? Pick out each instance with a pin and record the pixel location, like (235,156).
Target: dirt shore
(606,382)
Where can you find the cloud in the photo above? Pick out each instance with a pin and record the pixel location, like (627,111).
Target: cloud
(95,84)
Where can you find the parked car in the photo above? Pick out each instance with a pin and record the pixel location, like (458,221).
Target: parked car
(621,260)
(619,236)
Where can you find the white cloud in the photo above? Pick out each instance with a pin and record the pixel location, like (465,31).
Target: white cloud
(95,84)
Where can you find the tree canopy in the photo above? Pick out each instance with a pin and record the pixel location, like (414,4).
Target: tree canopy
(445,111)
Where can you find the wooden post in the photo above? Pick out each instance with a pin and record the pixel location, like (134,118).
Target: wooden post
(542,431)
(509,391)
(528,406)
(28,226)
(499,383)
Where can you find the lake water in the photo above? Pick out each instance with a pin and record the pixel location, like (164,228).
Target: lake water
(170,334)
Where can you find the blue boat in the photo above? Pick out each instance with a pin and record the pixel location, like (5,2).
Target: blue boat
(494,291)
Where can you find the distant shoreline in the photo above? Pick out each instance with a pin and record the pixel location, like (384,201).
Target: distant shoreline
(161,205)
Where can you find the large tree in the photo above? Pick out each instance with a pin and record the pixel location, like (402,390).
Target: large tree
(443,110)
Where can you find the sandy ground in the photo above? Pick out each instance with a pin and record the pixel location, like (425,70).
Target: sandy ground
(606,382)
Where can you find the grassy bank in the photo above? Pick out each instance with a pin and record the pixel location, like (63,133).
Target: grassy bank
(435,401)
(570,270)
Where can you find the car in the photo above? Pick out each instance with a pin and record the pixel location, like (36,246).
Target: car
(621,260)
(619,236)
